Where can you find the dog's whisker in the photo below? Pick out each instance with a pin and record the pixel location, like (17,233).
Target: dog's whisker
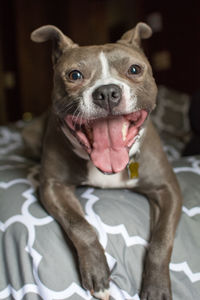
(76,118)
(69,107)
(81,118)
(71,104)
(85,118)
(77,110)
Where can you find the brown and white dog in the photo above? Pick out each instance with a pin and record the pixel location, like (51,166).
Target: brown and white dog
(98,133)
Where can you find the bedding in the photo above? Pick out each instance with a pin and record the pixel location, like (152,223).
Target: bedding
(38,262)
(172,121)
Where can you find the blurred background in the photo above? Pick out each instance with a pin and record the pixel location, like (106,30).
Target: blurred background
(25,67)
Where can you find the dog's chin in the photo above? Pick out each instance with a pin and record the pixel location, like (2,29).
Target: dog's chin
(108,140)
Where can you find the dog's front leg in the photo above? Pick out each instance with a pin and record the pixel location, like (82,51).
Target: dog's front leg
(165,204)
(62,204)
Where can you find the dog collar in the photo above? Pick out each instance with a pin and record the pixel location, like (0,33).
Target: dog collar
(133,167)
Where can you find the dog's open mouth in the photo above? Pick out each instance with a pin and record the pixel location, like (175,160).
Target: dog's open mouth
(108,140)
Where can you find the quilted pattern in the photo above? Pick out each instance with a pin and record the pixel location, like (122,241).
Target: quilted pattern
(36,262)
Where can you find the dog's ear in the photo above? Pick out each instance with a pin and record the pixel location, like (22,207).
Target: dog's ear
(135,35)
(59,40)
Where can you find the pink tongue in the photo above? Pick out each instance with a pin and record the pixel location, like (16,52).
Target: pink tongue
(109,152)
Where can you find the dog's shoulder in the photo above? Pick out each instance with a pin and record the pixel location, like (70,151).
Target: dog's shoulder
(33,135)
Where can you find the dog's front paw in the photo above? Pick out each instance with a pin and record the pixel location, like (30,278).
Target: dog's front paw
(155,293)
(104,294)
(156,286)
(95,271)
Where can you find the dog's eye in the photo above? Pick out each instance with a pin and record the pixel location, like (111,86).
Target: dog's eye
(75,75)
(135,70)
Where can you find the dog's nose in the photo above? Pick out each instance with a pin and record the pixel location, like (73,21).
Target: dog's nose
(107,96)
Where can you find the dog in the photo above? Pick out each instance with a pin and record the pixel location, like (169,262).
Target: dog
(99,133)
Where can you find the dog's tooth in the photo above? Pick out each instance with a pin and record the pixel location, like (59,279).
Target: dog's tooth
(124,130)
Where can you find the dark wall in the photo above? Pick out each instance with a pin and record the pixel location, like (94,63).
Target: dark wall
(25,67)
(180,38)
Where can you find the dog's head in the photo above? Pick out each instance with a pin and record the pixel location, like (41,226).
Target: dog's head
(102,94)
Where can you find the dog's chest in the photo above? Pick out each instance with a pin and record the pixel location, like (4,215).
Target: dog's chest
(98,179)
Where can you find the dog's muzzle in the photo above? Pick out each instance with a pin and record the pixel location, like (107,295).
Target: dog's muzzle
(107,96)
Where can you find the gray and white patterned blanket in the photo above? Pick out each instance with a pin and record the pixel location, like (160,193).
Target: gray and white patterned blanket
(37,262)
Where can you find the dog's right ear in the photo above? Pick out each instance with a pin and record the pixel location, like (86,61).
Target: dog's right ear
(135,35)
(60,41)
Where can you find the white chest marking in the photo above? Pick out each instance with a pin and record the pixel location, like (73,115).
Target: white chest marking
(98,179)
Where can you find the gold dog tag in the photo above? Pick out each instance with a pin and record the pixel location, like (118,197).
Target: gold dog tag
(133,169)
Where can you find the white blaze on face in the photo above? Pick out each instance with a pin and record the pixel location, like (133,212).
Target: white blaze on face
(106,77)
(105,74)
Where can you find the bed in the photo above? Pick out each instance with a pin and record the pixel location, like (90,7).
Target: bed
(36,260)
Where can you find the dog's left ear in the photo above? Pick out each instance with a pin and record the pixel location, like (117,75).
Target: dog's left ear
(60,41)
(135,35)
